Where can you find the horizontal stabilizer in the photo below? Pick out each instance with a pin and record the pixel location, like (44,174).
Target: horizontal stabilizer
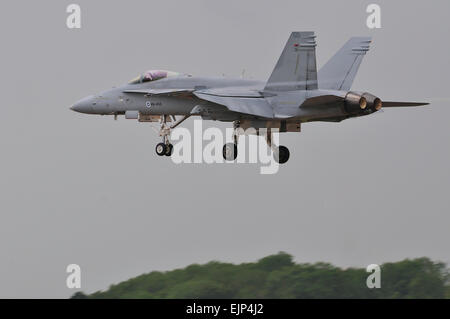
(403,104)
(321,100)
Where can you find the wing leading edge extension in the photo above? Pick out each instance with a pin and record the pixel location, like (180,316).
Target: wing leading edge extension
(160,92)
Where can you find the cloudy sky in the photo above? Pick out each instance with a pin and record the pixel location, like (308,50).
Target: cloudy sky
(89,190)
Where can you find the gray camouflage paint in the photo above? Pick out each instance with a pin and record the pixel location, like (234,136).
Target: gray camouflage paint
(293,93)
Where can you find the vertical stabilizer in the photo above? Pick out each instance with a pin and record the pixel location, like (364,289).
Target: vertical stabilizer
(340,71)
(296,68)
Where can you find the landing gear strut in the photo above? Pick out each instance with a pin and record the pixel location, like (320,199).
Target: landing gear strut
(230,150)
(280,153)
(165,147)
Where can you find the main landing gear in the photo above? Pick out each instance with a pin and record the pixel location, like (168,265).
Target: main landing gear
(280,153)
(230,150)
(165,148)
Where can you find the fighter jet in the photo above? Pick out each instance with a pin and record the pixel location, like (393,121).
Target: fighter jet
(295,93)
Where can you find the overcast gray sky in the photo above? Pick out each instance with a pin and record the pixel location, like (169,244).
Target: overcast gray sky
(89,190)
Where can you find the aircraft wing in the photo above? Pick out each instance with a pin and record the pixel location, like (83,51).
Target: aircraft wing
(403,104)
(151,92)
(248,105)
(233,92)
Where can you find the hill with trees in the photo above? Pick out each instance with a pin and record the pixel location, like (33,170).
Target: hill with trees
(278,276)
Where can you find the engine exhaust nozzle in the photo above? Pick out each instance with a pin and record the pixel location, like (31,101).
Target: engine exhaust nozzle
(355,102)
(373,102)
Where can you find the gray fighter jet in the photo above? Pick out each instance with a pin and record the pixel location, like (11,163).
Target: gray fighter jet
(294,94)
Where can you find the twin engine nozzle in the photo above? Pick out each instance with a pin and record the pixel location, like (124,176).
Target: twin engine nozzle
(356,102)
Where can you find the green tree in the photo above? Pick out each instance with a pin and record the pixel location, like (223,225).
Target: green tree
(277,276)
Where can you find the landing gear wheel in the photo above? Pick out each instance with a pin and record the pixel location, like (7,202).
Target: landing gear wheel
(161,149)
(229,151)
(169,149)
(283,154)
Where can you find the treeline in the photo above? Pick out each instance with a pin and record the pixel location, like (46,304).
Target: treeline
(277,276)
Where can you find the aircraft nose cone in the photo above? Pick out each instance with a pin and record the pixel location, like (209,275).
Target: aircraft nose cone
(83,106)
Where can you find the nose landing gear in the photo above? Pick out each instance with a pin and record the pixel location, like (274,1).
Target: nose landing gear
(165,147)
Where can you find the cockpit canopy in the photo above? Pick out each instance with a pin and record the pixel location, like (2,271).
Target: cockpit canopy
(153,75)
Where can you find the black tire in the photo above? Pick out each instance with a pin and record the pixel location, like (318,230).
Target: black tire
(229,151)
(169,150)
(283,154)
(161,149)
